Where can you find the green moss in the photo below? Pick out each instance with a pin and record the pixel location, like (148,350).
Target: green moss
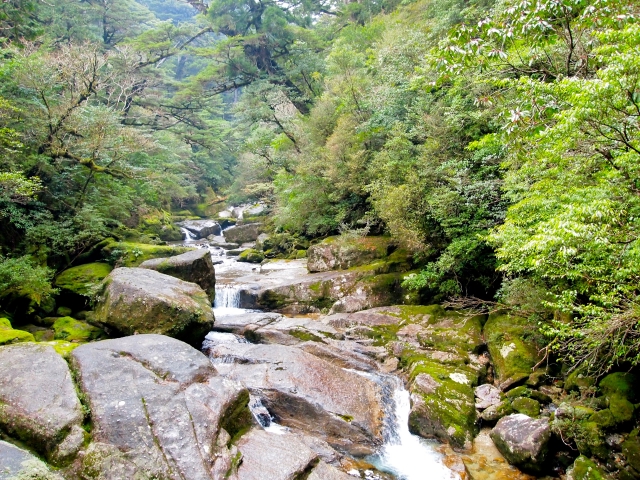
(448,412)
(83,279)
(527,406)
(346,418)
(621,383)
(631,450)
(305,335)
(621,408)
(513,351)
(129,254)
(237,418)
(603,418)
(578,380)
(301,254)
(63,347)
(251,256)
(586,469)
(64,311)
(72,330)
(8,335)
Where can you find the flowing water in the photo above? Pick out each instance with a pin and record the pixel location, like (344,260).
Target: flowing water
(188,236)
(403,455)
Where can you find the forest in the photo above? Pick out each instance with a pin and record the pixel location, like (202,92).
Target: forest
(498,141)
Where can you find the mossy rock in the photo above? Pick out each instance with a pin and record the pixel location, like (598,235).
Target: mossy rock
(339,253)
(62,347)
(72,330)
(623,384)
(9,336)
(127,254)
(513,353)
(621,408)
(63,312)
(251,256)
(586,469)
(578,380)
(603,418)
(444,402)
(83,279)
(526,406)
(301,254)
(496,412)
(631,450)
(590,440)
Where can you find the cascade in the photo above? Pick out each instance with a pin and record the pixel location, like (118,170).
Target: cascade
(187,234)
(227,296)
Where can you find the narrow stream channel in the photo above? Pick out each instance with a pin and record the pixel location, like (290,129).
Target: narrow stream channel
(403,455)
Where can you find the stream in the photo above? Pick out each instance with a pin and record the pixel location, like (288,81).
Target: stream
(403,455)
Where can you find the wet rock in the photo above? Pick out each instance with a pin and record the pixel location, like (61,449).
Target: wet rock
(38,401)
(138,300)
(16,464)
(245,322)
(159,410)
(276,457)
(341,355)
(194,266)
(243,233)
(292,331)
(326,472)
(336,253)
(307,393)
(513,358)
(585,469)
(486,396)
(202,228)
(523,441)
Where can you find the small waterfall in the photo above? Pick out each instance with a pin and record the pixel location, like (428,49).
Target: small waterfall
(263,417)
(188,236)
(404,455)
(227,296)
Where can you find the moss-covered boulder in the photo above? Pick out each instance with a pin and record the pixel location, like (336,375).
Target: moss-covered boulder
(339,253)
(527,406)
(194,266)
(137,300)
(586,469)
(243,233)
(513,351)
(83,279)
(8,335)
(579,381)
(443,402)
(631,452)
(72,330)
(128,254)
(251,255)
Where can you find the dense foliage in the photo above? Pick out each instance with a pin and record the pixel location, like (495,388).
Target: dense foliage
(497,140)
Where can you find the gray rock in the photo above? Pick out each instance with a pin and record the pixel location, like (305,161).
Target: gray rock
(486,396)
(202,228)
(194,266)
(338,253)
(38,402)
(138,300)
(327,472)
(272,456)
(243,233)
(523,441)
(16,464)
(159,410)
(307,393)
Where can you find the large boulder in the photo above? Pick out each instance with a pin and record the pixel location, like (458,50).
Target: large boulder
(336,253)
(194,266)
(243,233)
(159,410)
(9,335)
(202,228)
(138,300)
(307,393)
(130,254)
(16,464)
(513,355)
(78,284)
(274,457)
(38,401)
(523,441)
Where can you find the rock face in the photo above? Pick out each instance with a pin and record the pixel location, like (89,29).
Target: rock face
(194,266)
(159,410)
(276,457)
(523,441)
(243,233)
(16,464)
(202,228)
(305,392)
(335,254)
(138,300)
(38,402)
